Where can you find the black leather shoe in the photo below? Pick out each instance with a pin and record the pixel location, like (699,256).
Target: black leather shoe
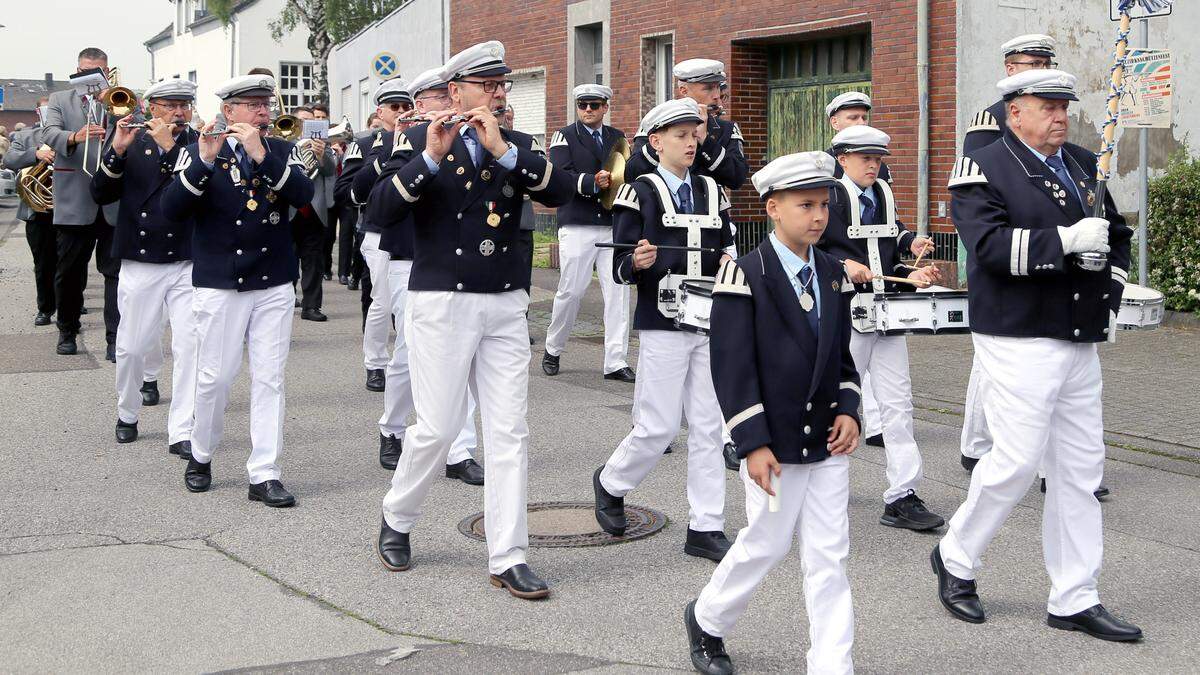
(376,381)
(393,548)
(1097,622)
(313,314)
(550,364)
(875,441)
(708,651)
(343,279)
(731,459)
(390,448)
(126,431)
(909,513)
(329,276)
(712,545)
(668,451)
(521,582)
(150,394)
(468,471)
(42,319)
(110,353)
(610,510)
(353,285)
(298,303)
(272,493)
(197,477)
(968,463)
(181,448)
(66,344)
(957,595)
(1100,493)
(625,374)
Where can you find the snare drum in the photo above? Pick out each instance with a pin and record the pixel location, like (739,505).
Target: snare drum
(1141,308)
(695,305)
(931,311)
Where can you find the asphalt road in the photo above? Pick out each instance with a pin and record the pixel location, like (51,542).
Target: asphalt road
(108,564)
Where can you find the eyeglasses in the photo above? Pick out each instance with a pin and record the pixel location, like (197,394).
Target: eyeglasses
(399,107)
(427,97)
(590,105)
(489,86)
(253,105)
(1036,64)
(173,105)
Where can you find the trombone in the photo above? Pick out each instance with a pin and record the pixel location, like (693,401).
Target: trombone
(287,127)
(118,102)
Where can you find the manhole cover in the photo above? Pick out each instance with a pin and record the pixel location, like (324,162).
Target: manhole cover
(563,524)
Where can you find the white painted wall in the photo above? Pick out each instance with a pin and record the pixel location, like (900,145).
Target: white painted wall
(1085,38)
(217,52)
(417,33)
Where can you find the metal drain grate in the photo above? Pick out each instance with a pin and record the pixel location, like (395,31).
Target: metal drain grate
(569,524)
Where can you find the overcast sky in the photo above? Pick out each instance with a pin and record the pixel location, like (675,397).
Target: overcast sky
(45,36)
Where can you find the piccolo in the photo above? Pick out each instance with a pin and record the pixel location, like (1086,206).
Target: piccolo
(716,110)
(222,132)
(455,119)
(143,125)
(604,244)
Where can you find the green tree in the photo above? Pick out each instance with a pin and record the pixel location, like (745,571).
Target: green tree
(328,23)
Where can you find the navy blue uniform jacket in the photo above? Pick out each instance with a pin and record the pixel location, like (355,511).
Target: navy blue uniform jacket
(574,151)
(235,246)
(779,385)
(139,180)
(719,156)
(986,127)
(1007,205)
(837,243)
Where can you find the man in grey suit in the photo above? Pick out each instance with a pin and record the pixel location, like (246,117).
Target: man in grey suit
(308,226)
(81,225)
(26,150)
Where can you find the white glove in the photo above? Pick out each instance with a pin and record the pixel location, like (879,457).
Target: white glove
(1087,235)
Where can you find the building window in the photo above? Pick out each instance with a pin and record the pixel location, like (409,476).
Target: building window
(296,84)
(589,54)
(199,9)
(192,76)
(658,59)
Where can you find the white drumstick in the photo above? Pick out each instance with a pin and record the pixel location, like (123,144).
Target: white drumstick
(773,500)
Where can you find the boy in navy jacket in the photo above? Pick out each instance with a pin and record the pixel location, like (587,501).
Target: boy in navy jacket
(789,392)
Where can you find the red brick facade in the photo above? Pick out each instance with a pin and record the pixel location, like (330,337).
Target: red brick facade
(535,35)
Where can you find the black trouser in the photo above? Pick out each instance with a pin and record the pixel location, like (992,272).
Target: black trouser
(331,231)
(75,244)
(43,244)
(307,235)
(347,239)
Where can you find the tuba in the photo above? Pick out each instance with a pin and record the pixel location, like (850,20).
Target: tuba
(35,186)
(614,164)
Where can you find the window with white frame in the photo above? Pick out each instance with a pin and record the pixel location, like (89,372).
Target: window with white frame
(664,62)
(296,84)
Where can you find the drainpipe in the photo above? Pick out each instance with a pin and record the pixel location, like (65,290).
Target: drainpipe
(923,117)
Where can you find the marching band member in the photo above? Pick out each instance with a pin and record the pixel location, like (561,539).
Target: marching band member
(321,112)
(674,364)
(846,110)
(1022,53)
(580,150)
(155,253)
(720,153)
(27,150)
(791,403)
(309,222)
(1021,206)
(397,240)
(81,224)
(238,185)
(463,183)
(865,199)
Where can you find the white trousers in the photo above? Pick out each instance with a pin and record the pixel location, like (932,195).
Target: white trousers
(813,502)
(146,293)
(154,358)
(225,319)
(397,396)
(375,330)
(976,439)
(1042,402)
(674,380)
(885,358)
(870,417)
(453,339)
(578,255)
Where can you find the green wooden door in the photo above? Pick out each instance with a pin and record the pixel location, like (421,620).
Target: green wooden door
(796,119)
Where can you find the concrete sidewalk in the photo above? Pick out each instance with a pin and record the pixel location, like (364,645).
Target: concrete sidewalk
(108,564)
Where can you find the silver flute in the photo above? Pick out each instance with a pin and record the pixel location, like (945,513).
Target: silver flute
(455,119)
(223,132)
(143,125)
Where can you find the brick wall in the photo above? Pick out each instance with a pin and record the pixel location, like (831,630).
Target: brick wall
(535,35)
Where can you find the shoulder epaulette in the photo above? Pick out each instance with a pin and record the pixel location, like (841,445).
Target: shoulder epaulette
(558,139)
(378,142)
(401,142)
(627,197)
(737,133)
(536,146)
(296,157)
(723,200)
(353,151)
(731,280)
(183,161)
(966,172)
(983,121)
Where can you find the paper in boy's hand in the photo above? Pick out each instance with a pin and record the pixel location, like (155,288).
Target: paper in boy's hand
(315,129)
(773,500)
